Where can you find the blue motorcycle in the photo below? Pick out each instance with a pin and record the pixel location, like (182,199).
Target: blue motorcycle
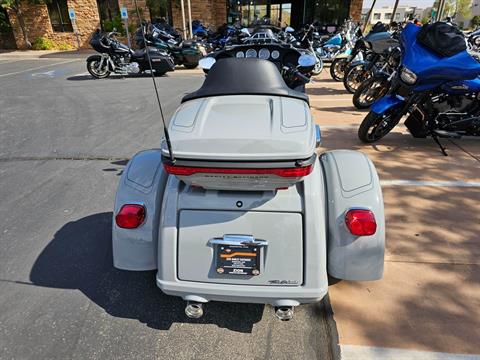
(436,88)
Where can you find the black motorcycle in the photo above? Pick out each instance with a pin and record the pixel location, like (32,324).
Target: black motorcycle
(120,59)
(378,85)
(359,71)
(186,53)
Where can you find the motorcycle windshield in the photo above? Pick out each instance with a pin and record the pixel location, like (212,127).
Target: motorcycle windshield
(430,68)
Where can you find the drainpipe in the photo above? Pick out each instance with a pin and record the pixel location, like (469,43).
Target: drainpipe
(190,19)
(184,29)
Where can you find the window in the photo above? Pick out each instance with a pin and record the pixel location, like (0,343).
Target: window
(388,16)
(58,12)
(109,12)
(397,16)
(376,16)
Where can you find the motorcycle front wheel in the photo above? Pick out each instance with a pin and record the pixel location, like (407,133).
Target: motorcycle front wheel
(337,69)
(370,91)
(376,126)
(93,67)
(318,67)
(354,76)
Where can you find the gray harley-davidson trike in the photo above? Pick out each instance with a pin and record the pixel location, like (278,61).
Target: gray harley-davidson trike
(238,206)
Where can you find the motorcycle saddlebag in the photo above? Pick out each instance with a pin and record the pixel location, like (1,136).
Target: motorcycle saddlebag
(442,38)
(161,62)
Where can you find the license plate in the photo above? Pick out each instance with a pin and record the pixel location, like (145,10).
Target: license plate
(238,260)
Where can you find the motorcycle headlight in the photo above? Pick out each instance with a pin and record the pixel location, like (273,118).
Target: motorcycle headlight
(408,76)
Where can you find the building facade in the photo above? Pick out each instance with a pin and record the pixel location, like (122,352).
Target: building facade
(384,14)
(50,20)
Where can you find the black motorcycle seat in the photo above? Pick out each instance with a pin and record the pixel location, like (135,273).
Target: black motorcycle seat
(187,44)
(250,76)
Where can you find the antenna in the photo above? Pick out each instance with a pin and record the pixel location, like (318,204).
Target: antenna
(167,136)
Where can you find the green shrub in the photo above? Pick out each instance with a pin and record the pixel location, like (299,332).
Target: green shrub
(41,43)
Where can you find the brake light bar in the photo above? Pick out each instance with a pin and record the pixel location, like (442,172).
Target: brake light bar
(282,172)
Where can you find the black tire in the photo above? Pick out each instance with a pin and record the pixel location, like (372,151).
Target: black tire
(190,65)
(337,69)
(354,76)
(376,126)
(93,68)
(159,73)
(370,91)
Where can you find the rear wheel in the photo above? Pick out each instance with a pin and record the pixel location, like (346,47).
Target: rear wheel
(354,76)
(96,69)
(337,69)
(376,126)
(370,91)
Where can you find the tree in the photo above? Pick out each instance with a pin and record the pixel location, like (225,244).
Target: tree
(15,7)
(475,21)
(463,8)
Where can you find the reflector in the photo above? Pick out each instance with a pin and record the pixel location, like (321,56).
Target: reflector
(361,222)
(130,216)
(282,172)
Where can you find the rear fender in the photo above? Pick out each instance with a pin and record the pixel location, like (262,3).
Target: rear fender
(386,103)
(352,182)
(143,182)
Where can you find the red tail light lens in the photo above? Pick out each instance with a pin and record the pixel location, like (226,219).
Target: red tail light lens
(130,216)
(361,222)
(282,172)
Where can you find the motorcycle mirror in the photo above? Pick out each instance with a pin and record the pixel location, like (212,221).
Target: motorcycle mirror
(306,60)
(206,63)
(289,29)
(245,31)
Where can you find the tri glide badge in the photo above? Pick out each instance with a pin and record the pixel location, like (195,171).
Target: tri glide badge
(238,260)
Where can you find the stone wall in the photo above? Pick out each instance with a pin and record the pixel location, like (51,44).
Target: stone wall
(355,12)
(38,24)
(210,12)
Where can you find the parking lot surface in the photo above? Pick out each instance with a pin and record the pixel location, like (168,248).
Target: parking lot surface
(64,140)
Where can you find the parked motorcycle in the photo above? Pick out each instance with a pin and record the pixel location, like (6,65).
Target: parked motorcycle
(120,59)
(295,66)
(186,53)
(378,85)
(361,70)
(437,88)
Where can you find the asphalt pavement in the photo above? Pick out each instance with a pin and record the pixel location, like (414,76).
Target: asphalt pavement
(64,141)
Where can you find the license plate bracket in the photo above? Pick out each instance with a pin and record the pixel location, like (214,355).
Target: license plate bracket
(238,259)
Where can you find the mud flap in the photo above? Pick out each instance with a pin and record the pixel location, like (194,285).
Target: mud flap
(143,182)
(352,182)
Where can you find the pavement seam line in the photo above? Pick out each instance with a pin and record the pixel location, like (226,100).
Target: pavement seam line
(38,67)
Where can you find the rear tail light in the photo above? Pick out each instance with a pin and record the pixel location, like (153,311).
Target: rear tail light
(282,172)
(361,222)
(130,216)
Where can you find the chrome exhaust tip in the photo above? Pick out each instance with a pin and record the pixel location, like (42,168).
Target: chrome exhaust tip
(284,313)
(194,310)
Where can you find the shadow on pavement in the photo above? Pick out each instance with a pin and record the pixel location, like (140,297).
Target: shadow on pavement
(80,257)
